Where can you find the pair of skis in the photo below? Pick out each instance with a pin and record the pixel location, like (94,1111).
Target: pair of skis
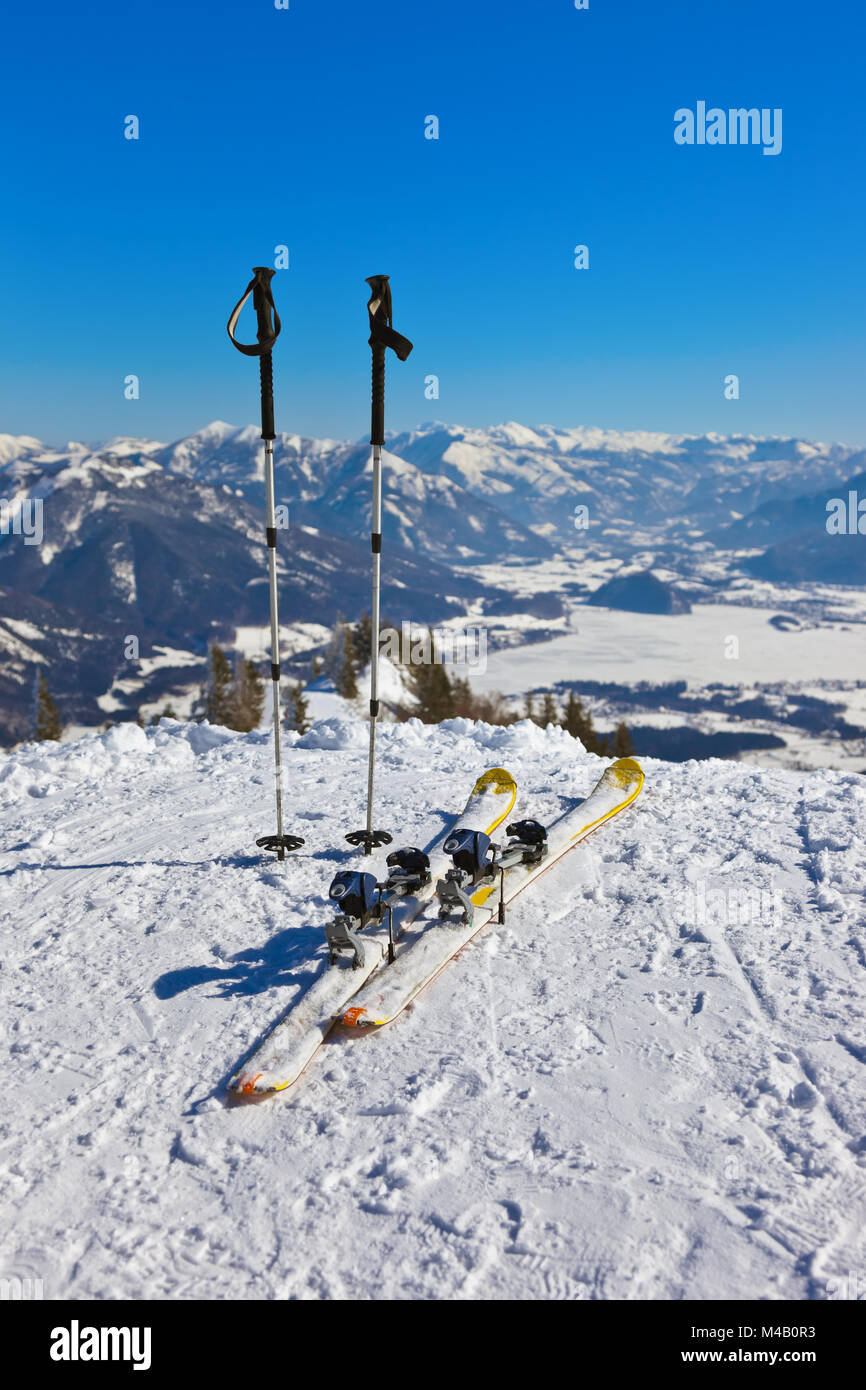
(289,1047)
(403,948)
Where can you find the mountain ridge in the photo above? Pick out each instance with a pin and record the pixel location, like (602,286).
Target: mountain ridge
(166,540)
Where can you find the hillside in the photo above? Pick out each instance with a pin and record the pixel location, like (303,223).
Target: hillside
(648,1084)
(513,531)
(130,550)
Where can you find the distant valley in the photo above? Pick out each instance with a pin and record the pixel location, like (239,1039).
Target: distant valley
(511,528)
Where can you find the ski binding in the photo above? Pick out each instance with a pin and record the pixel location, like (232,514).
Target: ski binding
(527,844)
(358,900)
(468,851)
(408,871)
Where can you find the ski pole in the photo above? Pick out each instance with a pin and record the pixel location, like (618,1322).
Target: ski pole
(268,329)
(382,337)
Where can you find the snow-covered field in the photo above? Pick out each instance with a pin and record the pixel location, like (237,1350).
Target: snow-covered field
(649,1083)
(715,642)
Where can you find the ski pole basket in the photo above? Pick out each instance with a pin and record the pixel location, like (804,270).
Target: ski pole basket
(274,843)
(370,839)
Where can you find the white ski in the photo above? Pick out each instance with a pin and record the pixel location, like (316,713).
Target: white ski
(435,944)
(291,1044)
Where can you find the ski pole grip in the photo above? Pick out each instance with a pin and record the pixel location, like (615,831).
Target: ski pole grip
(377,419)
(382,335)
(266,373)
(267,318)
(263,303)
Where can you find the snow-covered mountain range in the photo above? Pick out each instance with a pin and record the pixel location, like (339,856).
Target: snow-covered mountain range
(474,494)
(165,541)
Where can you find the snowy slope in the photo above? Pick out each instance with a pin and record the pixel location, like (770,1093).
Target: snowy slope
(130,549)
(649,1083)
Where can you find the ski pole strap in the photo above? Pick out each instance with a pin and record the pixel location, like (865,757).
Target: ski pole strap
(266,313)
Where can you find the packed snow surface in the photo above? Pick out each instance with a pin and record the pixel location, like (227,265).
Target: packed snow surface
(649,1083)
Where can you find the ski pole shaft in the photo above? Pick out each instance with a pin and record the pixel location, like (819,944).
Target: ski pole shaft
(376,547)
(263,303)
(377,439)
(267,331)
(382,337)
(271,529)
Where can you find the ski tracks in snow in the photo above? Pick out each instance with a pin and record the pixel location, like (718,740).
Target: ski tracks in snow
(648,1083)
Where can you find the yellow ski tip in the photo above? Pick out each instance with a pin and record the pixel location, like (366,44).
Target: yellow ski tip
(624,772)
(498,780)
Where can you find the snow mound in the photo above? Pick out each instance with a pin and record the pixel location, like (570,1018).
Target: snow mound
(334,734)
(523,735)
(38,769)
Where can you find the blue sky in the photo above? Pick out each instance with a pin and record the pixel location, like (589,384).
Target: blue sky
(305,127)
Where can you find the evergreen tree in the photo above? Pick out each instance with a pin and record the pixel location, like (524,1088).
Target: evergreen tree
(429,683)
(492,709)
(347,680)
(333,661)
(463,701)
(298,716)
(218,703)
(362,641)
(246,698)
(549,712)
(316,668)
(529,707)
(198,711)
(340,662)
(622,741)
(48,722)
(439,695)
(167,712)
(578,722)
